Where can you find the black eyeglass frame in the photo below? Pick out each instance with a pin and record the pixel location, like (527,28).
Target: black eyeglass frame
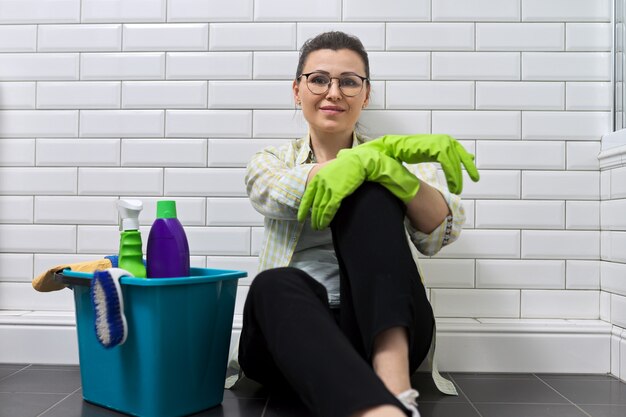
(364,79)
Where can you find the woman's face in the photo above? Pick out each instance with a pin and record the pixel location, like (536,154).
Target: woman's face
(332,112)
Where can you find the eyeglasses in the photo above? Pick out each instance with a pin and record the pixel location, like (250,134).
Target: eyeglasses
(319,83)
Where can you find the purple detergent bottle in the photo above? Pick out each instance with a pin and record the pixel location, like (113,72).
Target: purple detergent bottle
(167,254)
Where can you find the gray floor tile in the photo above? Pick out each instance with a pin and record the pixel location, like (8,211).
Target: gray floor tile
(6,370)
(605,410)
(423,383)
(590,392)
(246,388)
(75,406)
(26,405)
(503,390)
(528,410)
(439,409)
(476,375)
(249,407)
(55,367)
(42,381)
(286,407)
(584,377)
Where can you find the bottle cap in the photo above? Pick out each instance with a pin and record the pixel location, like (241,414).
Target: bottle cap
(129,214)
(166,209)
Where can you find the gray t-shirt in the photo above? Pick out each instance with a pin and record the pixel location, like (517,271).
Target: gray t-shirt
(316,256)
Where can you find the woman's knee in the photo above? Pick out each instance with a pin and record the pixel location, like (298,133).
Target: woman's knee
(272,282)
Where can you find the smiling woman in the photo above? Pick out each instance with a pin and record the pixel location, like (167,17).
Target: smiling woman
(339,314)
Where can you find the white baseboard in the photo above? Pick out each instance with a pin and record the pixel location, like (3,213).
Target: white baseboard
(463,345)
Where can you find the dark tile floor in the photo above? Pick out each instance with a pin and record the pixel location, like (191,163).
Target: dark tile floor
(54,391)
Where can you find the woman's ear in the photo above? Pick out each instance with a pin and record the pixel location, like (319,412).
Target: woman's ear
(367,96)
(296,92)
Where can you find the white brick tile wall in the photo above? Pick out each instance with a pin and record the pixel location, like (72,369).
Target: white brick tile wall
(555,244)
(278,124)
(209,65)
(430,36)
(476,66)
(520,155)
(251,94)
(605,306)
(164,153)
(168,37)
(560,304)
(256,240)
(78,152)
(618,314)
(565,125)
(232,212)
(582,275)
(122,66)
(612,277)
(112,123)
(400,65)
(18,38)
(82,95)
(520,37)
(28,123)
(618,183)
(156,99)
(450,95)
(377,122)
(17,95)
(589,36)
(16,209)
(204,123)
(583,155)
(16,267)
(123,10)
(589,96)
(448,273)
(120,181)
(484,244)
(566,10)
(79,38)
(476,10)
(371,34)
(32,181)
(252,36)
(41,66)
(290,10)
(508,214)
(17,152)
(583,215)
(473,124)
(236,152)
(219,240)
(35,11)
(37,238)
(612,214)
(560,185)
(75,210)
(397,10)
(568,66)
(213,182)
(160,94)
(279,65)
(475,303)
(209,11)
(520,95)
(508,274)
(248,264)
(493,185)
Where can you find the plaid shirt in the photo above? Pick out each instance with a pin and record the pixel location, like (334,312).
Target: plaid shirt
(275,182)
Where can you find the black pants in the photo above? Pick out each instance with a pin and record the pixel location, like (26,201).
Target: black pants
(292,340)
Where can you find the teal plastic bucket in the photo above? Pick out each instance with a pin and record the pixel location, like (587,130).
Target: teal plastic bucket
(175,357)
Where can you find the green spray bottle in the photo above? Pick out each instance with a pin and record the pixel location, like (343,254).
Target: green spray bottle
(131,255)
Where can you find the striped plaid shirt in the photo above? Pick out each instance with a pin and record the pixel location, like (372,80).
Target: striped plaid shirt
(275,182)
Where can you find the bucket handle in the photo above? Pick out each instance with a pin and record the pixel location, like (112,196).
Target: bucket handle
(71,281)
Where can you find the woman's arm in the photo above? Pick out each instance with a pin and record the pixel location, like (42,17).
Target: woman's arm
(428,209)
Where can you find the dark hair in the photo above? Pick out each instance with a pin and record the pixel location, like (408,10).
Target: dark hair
(334,40)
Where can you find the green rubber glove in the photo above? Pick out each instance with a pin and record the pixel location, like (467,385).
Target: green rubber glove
(414,149)
(344,175)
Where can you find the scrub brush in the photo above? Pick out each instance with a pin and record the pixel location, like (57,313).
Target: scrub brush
(106,296)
